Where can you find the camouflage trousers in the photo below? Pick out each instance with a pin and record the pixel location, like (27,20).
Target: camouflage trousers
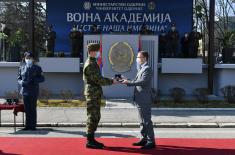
(93,114)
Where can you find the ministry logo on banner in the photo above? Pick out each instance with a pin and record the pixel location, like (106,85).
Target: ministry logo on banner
(87,5)
(151,5)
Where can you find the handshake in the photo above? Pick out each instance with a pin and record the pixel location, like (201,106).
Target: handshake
(119,79)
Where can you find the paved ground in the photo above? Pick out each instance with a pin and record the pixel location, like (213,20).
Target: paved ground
(122,113)
(121,132)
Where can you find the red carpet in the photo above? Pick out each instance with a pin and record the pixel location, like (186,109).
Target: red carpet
(115,146)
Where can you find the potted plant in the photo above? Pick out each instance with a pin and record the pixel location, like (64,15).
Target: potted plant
(49,54)
(228,46)
(61,55)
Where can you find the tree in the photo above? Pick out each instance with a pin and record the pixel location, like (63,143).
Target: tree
(224,10)
(224,32)
(201,18)
(16,16)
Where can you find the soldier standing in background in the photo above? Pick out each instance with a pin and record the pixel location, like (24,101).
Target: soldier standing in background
(95,30)
(194,38)
(74,36)
(173,41)
(163,45)
(145,31)
(50,40)
(93,81)
(185,45)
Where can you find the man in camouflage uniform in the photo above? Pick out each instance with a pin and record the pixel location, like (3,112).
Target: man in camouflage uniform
(93,80)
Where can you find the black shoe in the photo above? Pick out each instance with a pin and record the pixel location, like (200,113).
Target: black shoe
(142,142)
(98,143)
(93,145)
(25,129)
(33,129)
(149,145)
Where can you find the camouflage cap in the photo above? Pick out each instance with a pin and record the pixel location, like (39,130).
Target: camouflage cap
(93,47)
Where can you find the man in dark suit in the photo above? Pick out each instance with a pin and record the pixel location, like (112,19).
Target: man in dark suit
(142,99)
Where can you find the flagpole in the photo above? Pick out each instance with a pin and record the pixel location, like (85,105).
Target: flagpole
(139,42)
(211,47)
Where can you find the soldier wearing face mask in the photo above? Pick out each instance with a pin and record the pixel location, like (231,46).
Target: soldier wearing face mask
(173,41)
(93,82)
(29,77)
(50,40)
(163,44)
(185,42)
(75,37)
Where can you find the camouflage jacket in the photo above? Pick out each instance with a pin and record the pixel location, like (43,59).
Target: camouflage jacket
(93,80)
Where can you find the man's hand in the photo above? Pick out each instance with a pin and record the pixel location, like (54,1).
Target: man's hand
(125,81)
(115,81)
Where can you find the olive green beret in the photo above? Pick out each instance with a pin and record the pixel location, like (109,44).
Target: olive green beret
(93,47)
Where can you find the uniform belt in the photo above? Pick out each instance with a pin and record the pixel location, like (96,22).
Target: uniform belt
(92,83)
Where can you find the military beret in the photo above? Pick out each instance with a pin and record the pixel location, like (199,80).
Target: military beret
(93,47)
(28,54)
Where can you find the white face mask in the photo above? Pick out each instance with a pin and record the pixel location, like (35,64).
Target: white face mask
(138,60)
(138,64)
(29,62)
(97,55)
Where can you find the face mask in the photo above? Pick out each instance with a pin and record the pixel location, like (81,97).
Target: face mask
(173,28)
(138,63)
(29,62)
(97,55)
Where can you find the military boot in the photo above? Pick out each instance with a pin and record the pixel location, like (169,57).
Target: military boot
(100,144)
(92,143)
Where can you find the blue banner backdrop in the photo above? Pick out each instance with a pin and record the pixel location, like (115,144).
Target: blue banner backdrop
(117,16)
